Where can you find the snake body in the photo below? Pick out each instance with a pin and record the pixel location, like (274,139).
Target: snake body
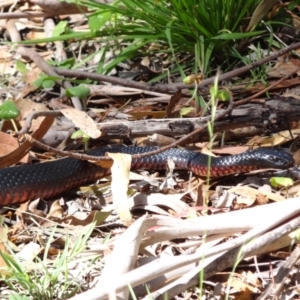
(21,183)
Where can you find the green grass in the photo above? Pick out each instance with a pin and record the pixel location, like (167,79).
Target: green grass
(210,26)
(212,32)
(47,279)
(208,29)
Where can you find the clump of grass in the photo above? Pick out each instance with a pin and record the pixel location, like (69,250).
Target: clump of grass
(209,30)
(46,279)
(211,26)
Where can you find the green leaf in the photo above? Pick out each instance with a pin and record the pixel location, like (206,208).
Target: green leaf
(18,297)
(64,37)
(67,63)
(48,83)
(279,182)
(60,28)
(236,35)
(223,95)
(79,134)
(8,110)
(45,81)
(93,22)
(80,91)
(21,67)
(186,110)
(38,82)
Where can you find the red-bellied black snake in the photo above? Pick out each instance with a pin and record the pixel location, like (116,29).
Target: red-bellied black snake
(28,182)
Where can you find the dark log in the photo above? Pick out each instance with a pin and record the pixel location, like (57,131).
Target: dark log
(270,116)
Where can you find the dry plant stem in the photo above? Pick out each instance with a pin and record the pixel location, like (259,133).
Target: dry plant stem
(37,59)
(159,267)
(220,223)
(244,101)
(125,253)
(171,88)
(26,15)
(248,120)
(35,115)
(273,289)
(229,259)
(105,90)
(167,278)
(162,149)
(105,78)
(66,153)
(185,138)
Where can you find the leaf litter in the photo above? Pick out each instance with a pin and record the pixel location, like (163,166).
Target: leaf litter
(183,226)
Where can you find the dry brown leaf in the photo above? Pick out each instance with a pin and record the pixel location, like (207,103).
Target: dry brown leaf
(83,121)
(293,191)
(295,19)
(262,199)
(31,76)
(35,35)
(244,285)
(261,10)
(283,68)
(56,210)
(247,191)
(119,185)
(244,200)
(154,140)
(94,216)
(27,107)
(5,54)
(138,115)
(172,103)
(9,144)
(15,156)
(231,150)
(237,284)
(7,64)
(172,202)
(296,157)
(274,140)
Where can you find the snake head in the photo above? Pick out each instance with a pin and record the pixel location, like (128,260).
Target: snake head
(273,158)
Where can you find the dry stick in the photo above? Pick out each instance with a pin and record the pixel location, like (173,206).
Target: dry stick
(188,136)
(164,88)
(246,100)
(27,15)
(152,270)
(230,257)
(205,82)
(38,60)
(35,115)
(135,156)
(65,153)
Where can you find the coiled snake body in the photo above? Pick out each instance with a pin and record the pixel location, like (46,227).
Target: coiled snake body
(28,182)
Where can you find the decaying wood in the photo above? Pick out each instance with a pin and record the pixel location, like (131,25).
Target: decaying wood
(271,115)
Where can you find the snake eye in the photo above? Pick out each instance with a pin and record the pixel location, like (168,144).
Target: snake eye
(278,160)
